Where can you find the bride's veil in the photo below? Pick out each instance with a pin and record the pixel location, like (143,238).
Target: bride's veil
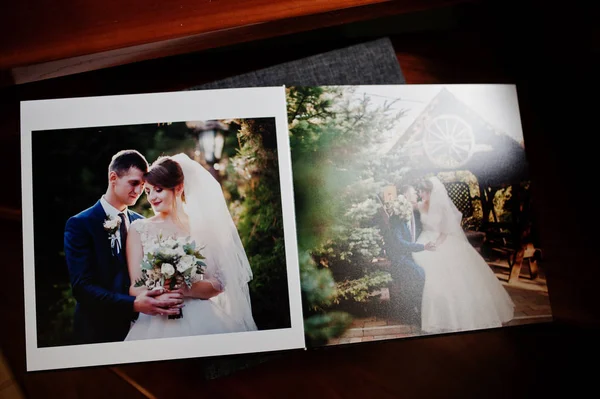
(212,227)
(443,214)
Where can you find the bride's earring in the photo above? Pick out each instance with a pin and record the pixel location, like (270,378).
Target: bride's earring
(183,197)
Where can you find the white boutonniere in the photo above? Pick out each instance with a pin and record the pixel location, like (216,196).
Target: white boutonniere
(111,226)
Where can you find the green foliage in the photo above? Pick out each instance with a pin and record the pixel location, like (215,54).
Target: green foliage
(333,134)
(360,289)
(140,282)
(352,245)
(55,321)
(309,105)
(319,328)
(317,284)
(502,202)
(363,212)
(254,187)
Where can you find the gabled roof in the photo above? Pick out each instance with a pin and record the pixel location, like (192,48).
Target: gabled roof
(494,157)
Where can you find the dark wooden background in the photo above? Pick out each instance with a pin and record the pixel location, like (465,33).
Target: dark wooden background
(549,51)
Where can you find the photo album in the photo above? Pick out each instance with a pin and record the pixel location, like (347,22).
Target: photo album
(218,222)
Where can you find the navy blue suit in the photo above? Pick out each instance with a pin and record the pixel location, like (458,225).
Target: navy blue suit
(409,276)
(99,279)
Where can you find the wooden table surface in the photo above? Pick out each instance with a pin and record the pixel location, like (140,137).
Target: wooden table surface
(43,39)
(489,44)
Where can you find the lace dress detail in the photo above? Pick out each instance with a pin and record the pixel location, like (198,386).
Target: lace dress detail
(200,316)
(149,232)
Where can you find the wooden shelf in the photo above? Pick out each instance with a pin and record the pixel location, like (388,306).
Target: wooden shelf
(57,39)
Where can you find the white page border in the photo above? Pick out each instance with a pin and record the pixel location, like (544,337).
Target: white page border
(155,108)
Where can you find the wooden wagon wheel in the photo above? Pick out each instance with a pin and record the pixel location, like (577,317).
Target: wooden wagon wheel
(448,141)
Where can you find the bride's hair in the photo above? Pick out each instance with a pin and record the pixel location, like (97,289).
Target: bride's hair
(425,185)
(165,173)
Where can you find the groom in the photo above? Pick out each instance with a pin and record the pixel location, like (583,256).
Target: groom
(97,262)
(411,277)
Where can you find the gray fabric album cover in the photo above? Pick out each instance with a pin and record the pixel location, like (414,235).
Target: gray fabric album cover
(369,63)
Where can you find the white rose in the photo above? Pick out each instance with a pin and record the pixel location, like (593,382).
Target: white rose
(179,251)
(170,242)
(185,263)
(167,270)
(168,252)
(111,223)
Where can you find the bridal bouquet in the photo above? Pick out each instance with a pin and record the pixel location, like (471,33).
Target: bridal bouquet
(170,262)
(399,206)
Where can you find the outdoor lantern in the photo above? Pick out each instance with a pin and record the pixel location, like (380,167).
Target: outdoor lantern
(206,139)
(210,140)
(219,142)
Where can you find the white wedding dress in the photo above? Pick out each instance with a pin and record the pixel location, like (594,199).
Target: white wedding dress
(228,268)
(461,292)
(200,316)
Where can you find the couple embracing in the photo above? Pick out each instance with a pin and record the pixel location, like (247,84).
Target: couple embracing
(445,285)
(104,264)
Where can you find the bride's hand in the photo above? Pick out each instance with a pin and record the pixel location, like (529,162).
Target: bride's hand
(440,239)
(181,288)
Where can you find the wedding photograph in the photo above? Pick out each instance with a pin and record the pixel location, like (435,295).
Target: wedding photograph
(414,212)
(158,231)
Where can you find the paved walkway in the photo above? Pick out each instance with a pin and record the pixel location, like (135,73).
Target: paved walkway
(532,305)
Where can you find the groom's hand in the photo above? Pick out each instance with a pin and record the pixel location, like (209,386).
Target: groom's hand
(430,246)
(172,299)
(158,302)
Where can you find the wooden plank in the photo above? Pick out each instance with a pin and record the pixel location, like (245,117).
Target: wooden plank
(515,271)
(533,268)
(112,32)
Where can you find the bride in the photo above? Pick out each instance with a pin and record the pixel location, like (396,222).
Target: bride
(461,292)
(188,201)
